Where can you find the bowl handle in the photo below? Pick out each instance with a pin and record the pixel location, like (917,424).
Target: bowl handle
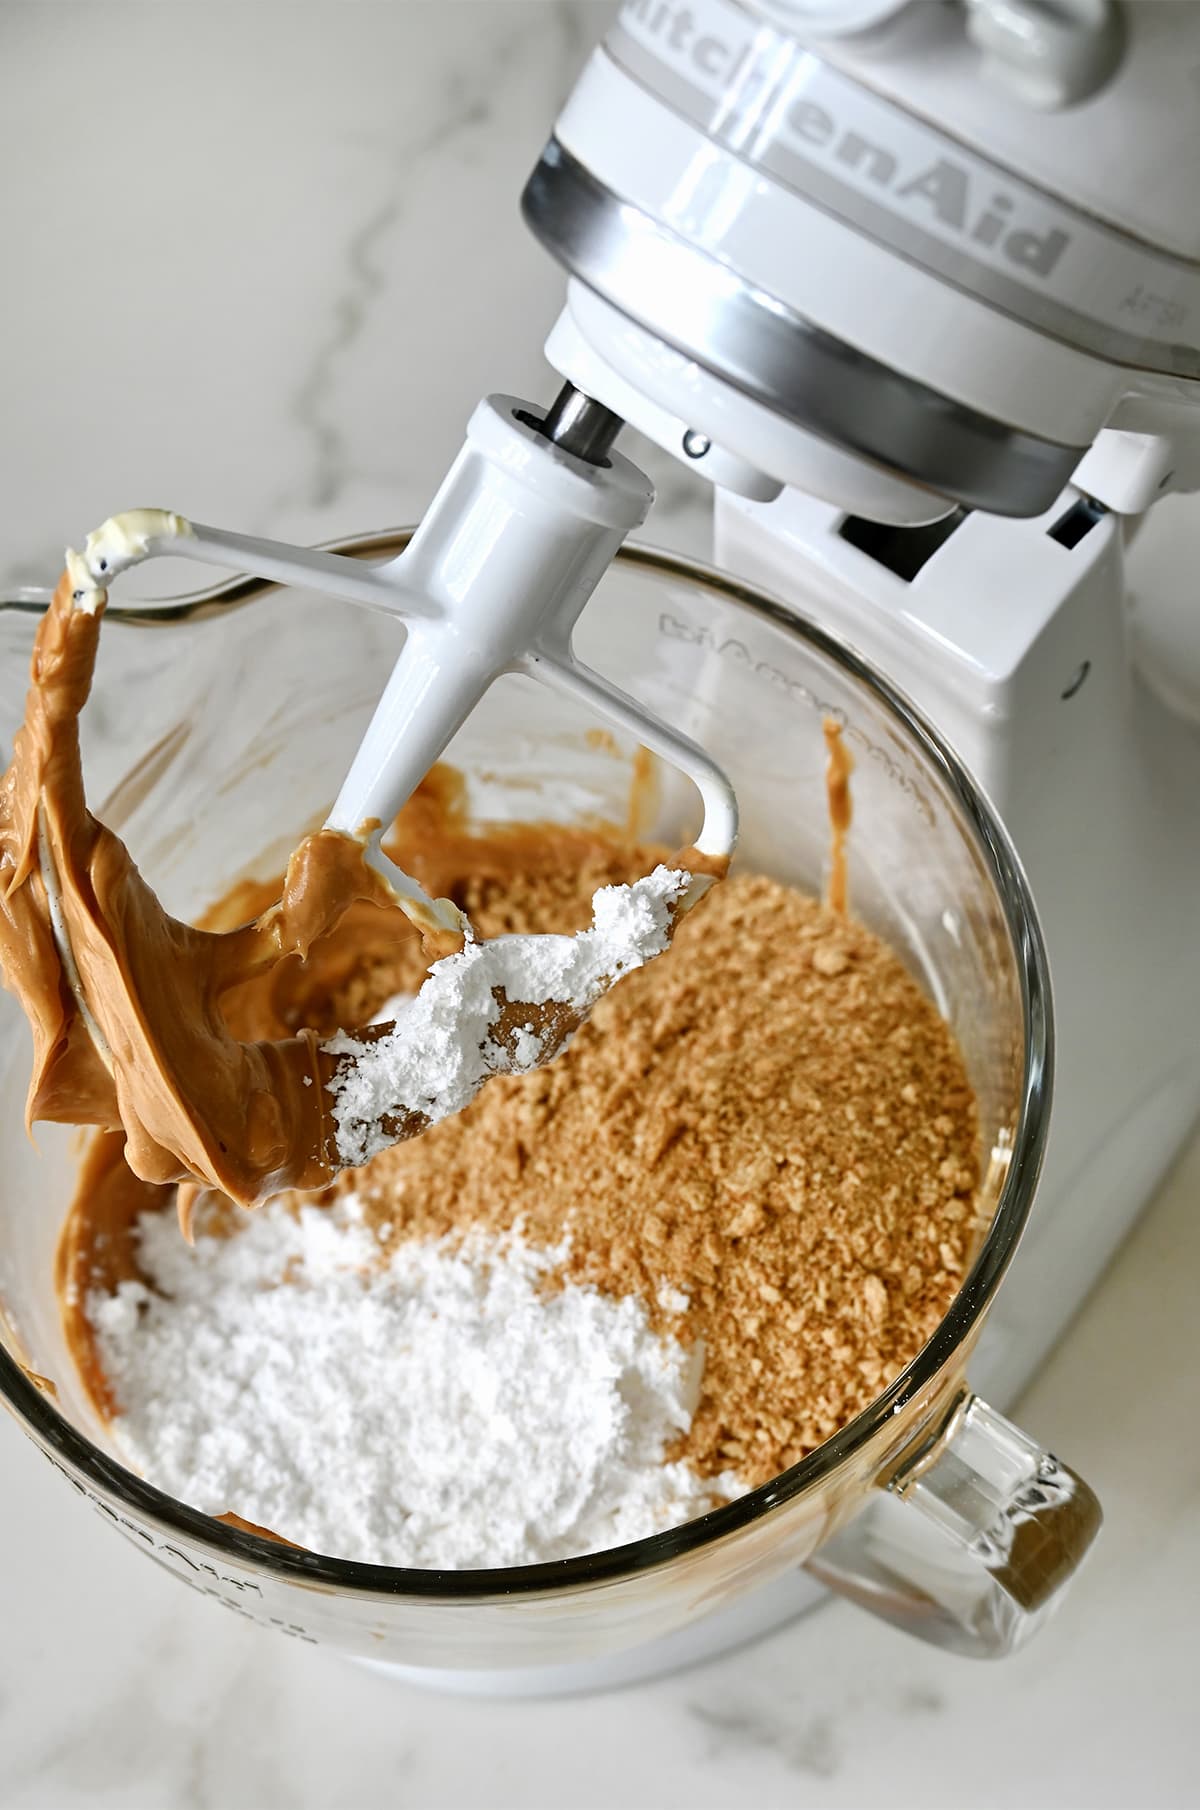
(970,1542)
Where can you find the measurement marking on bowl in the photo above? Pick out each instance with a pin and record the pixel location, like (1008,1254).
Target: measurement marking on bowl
(736,652)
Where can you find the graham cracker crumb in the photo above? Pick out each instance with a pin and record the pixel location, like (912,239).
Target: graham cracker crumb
(770,1120)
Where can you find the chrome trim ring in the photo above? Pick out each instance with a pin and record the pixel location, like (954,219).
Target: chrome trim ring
(763,348)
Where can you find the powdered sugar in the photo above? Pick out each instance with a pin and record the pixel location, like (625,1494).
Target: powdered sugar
(443,1049)
(436,1410)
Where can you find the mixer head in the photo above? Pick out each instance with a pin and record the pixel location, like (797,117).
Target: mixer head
(523,528)
(901,257)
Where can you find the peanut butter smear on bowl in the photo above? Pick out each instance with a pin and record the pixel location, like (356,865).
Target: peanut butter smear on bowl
(129,1007)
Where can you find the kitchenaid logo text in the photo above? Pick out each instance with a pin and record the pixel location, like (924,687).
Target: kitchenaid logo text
(942,191)
(738,653)
(231,1592)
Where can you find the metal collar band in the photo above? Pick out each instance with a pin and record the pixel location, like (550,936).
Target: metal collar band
(761,347)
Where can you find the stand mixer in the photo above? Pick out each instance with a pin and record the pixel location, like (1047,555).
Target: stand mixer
(916,287)
(934,269)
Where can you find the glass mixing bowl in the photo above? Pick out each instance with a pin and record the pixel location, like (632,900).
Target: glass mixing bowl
(219,730)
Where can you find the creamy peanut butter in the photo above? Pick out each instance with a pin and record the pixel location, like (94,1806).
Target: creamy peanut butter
(838,768)
(125,1001)
(130,1008)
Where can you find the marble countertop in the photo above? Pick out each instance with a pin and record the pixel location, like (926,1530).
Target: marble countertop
(261,263)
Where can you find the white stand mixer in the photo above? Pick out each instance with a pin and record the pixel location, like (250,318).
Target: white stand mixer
(909,258)
(876,251)
(904,256)
(937,266)
(918,287)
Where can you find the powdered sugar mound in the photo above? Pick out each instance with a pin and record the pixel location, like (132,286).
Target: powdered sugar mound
(435,1411)
(442,1050)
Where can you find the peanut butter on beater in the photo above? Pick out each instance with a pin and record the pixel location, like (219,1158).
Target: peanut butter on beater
(130,1009)
(123,1000)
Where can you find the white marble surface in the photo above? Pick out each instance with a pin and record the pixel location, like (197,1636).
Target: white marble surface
(261,261)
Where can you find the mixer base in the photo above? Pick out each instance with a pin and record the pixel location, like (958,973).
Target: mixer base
(770,1607)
